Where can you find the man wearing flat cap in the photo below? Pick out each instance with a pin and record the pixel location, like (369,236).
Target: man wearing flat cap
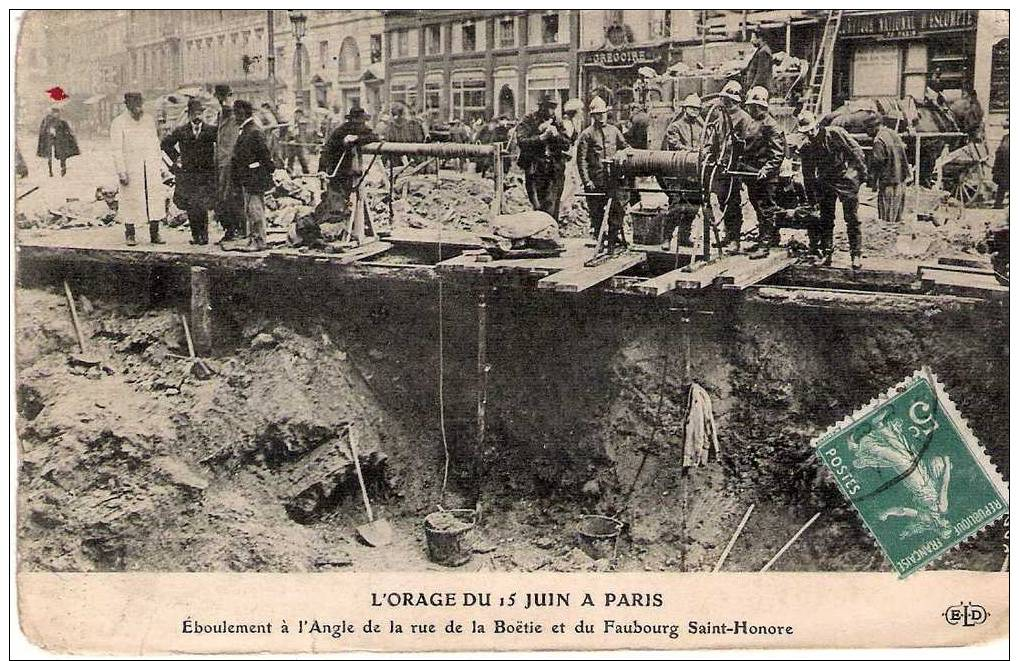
(138,161)
(544,149)
(192,148)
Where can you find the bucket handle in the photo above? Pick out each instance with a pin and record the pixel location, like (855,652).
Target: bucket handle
(619,524)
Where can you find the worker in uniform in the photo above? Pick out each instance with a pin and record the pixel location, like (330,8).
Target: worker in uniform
(544,149)
(597,143)
(684,133)
(192,148)
(765,150)
(138,159)
(251,170)
(229,209)
(727,188)
(337,165)
(889,170)
(833,168)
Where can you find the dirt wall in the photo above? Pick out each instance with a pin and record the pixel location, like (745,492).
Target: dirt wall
(580,389)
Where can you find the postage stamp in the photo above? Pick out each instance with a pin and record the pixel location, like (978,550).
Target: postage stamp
(914,471)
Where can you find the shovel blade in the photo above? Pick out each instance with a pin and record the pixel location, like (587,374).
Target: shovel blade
(86,359)
(376,533)
(200,370)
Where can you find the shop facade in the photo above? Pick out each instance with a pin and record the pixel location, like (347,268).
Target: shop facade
(903,53)
(613,73)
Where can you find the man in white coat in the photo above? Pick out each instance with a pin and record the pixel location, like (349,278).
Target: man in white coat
(138,159)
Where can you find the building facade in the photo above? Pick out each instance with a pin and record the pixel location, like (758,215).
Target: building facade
(342,59)
(479,64)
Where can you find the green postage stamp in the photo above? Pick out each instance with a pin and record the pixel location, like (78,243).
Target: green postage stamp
(915,472)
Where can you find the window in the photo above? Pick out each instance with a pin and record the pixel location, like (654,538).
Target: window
(376,48)
(401,43)
(507,32)
(323,53)
(468,99)
(998,101)
(349,59)
(433,94)
(405,93)
(468,35)
(433,40)
(550,28)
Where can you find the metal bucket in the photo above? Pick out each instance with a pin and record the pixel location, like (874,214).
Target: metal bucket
(648,226)
(597,536)
(446,533)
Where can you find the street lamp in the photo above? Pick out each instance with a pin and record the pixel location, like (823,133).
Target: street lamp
(299,24)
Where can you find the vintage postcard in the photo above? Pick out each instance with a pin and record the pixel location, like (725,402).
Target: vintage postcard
(510,329)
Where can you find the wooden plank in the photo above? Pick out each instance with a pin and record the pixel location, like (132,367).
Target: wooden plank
(464,262)
(764,269)
(953,268)
(970,284)
(201,310)
(363,252)
(584,277)
(965,260)
(683,279)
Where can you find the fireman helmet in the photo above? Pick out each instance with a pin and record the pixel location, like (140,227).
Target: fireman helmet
(732,90)
(806,122)
(757,96)
(691,101)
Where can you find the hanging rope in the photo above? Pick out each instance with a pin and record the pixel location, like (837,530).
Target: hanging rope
(442,401)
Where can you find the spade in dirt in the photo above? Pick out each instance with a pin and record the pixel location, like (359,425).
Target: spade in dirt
(83,356)
(377,532)
(199,368)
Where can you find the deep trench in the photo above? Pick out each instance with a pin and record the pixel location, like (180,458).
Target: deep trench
(581,387)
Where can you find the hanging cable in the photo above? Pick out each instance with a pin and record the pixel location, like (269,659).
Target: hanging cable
(442,402)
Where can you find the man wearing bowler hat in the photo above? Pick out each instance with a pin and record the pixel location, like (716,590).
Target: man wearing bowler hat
(544,149)
(336,164)
(192,148)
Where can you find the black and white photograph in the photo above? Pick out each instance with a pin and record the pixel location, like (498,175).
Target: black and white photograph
(568,291)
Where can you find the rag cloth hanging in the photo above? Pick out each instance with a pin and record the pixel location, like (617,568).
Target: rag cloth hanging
(700,432)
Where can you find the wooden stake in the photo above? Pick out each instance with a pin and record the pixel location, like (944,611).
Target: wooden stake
(732,540)
(483,368)
(785,548)
(498,174)
(201,310)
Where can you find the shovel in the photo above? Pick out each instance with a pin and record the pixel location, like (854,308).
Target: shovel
(198,367)
(83,356)
(377,532)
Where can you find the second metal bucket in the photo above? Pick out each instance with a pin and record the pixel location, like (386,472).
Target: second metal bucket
(446,533)
(597,536)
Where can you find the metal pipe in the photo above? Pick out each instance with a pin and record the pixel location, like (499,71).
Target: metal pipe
(434,149)
(683,164)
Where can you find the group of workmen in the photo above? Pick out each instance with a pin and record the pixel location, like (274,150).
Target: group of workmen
(753,146)
(224,168)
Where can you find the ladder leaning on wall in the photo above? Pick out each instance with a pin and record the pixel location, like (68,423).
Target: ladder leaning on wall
(818,96)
